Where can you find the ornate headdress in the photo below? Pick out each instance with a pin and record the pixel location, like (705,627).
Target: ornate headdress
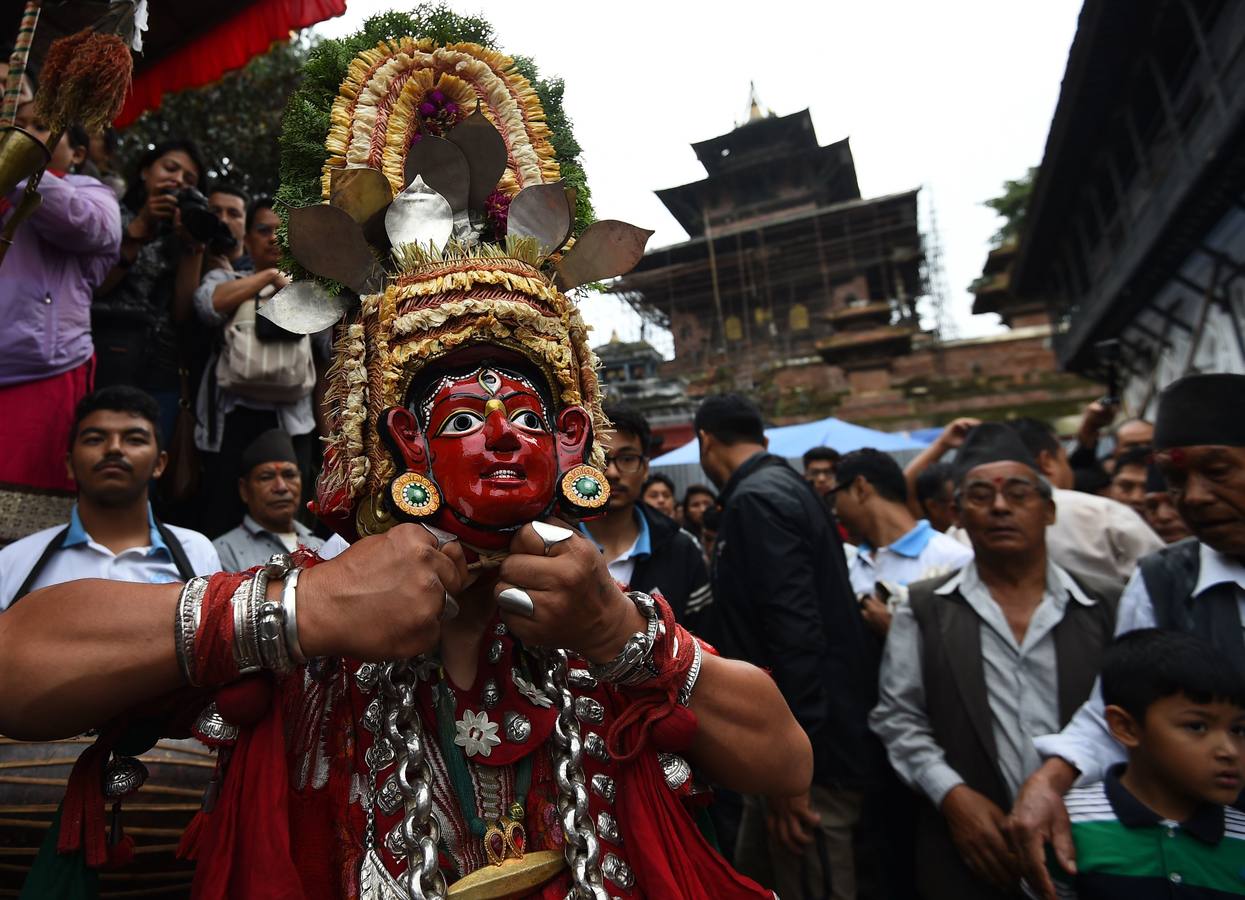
(438,214)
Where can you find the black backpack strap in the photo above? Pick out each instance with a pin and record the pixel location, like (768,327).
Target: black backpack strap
(40,564)
(1170,576)
(176,551)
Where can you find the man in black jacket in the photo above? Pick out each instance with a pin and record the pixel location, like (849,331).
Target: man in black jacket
(782,600)
(646,550)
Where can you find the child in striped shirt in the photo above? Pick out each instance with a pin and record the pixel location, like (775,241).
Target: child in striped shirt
(1164,824)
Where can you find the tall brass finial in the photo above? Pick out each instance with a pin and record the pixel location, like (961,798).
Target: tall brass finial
(755,113)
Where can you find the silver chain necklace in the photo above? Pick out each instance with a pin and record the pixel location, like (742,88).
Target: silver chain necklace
(420,833)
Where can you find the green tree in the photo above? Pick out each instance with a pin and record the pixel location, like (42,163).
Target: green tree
(1011,206)
(235,121)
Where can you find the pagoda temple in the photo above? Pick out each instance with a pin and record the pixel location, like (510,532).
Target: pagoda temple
(793,288)
(784,260)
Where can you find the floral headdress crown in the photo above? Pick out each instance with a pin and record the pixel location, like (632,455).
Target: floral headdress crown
(436,214)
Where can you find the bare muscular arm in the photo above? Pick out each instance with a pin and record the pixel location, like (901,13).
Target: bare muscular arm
(75,655)
(748,740)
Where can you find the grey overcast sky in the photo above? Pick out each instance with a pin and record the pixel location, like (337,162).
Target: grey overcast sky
(953,97)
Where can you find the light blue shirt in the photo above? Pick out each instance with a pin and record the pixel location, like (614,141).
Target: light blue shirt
(80,556)
(623,567)
(920,554)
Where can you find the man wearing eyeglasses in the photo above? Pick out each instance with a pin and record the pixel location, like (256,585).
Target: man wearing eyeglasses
(254,382)
(646,550)
(979,664)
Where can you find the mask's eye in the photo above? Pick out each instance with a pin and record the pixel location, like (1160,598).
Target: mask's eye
(528,420)
(462,422)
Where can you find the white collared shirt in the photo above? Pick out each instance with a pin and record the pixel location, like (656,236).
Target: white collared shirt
(1085,741)
(920,554)
(80,556)
(1021,677)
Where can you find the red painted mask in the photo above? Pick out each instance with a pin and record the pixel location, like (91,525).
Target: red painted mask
(493,448)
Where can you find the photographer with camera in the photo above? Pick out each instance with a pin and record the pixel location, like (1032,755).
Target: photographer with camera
(1130,434)
(139,309)
(259,378)
(228,203)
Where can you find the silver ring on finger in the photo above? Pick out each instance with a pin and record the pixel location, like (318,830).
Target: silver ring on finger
(551,534)
(518,601)
(443,537)
(450,609)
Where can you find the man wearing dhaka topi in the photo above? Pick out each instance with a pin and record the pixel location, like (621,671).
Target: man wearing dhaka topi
(462,702)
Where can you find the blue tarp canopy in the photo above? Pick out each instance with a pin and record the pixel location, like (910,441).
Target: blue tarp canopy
(926,435)
(791,441)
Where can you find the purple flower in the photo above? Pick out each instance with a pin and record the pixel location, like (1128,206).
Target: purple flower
(437,97)
(427,109)
(451,108)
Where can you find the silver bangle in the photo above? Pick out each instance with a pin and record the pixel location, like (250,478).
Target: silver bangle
(266,631)
(269,617)
(245,644)
(689,684)
(271,632)
(186,627)
(289,607)
(634,663)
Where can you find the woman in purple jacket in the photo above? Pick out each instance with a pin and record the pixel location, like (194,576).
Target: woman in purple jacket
(58,257)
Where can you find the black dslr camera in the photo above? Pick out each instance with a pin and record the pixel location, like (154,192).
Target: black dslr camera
(202,223)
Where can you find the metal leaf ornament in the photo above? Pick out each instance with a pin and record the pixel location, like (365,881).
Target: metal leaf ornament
(304,307)
(443,167)
(327,242)
(541,212)
(606,249)
(421,216)
(486,154)
(361,191)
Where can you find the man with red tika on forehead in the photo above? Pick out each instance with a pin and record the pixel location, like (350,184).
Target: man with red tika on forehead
(981,662)
(462,702)
(1196,585)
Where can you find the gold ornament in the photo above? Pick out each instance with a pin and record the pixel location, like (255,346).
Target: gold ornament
(415,495)
(584,487)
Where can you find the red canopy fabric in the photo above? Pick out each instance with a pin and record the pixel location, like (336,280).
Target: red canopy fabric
(226,46)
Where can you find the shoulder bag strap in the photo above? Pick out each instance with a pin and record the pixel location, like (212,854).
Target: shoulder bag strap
(40,564)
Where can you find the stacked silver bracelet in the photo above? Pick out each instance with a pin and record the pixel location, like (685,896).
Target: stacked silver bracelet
(261,629)
(186,626)
(265,632)
(634,664)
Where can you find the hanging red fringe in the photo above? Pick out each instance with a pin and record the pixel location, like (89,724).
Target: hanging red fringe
(228,46)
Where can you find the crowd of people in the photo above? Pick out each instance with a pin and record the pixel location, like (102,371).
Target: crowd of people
(1019,637)
(150,282)
(1011,642)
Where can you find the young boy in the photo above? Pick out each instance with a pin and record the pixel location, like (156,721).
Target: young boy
(1161,824)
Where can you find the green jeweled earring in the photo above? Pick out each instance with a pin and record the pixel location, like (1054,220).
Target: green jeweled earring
(585,488)
(415,495)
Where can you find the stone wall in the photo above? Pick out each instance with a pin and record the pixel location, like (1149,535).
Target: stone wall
(997,377)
